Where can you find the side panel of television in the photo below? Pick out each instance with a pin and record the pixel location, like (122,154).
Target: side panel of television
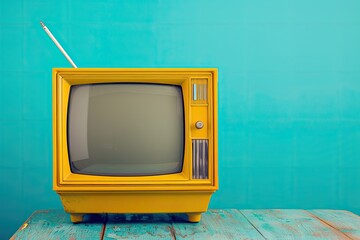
(200,141)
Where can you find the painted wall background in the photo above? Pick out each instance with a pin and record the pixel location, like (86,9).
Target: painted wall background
(289,88)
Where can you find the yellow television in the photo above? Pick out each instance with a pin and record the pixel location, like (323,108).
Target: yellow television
(135,140)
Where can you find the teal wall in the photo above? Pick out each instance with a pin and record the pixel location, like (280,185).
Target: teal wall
(289,89)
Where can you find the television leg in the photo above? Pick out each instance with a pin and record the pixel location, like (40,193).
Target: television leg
(76,217)
(194,217)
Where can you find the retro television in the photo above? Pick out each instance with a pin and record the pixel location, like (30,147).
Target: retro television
(135,140)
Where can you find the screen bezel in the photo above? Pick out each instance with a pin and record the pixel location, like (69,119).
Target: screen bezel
(64,179)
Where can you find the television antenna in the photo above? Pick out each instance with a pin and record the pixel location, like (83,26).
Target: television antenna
(58,44)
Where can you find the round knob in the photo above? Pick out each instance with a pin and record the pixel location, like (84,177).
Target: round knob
(199,124)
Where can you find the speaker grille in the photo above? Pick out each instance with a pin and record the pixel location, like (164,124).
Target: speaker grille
(200,158)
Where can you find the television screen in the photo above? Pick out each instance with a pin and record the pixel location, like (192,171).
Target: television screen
(125,129)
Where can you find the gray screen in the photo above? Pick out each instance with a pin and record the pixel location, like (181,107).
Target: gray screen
(125,129)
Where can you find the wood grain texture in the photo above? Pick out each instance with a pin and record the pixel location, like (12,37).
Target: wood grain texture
(144,226)
(56,224)
(215,224)
(291,224)
(345,221)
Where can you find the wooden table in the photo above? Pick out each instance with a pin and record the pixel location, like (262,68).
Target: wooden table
(215,224)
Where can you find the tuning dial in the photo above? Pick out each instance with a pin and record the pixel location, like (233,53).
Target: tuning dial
(199,124)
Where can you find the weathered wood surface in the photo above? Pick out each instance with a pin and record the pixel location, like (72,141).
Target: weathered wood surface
(215,224)
(290,224)
(345,221)
(145,226)
(56,224)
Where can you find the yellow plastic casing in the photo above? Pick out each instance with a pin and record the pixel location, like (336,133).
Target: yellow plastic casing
(169,193)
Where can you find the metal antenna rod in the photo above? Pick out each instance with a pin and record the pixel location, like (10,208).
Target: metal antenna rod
(57,44)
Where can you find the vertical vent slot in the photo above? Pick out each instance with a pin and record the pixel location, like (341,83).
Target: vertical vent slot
(199,91)
(200,163)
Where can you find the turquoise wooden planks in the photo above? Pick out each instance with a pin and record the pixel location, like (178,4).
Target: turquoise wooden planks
(291,224)
(215,224)
(344,221)
(144,226)
(56,224)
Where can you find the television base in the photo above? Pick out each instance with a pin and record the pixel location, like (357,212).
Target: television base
(193,203)
(78,217)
